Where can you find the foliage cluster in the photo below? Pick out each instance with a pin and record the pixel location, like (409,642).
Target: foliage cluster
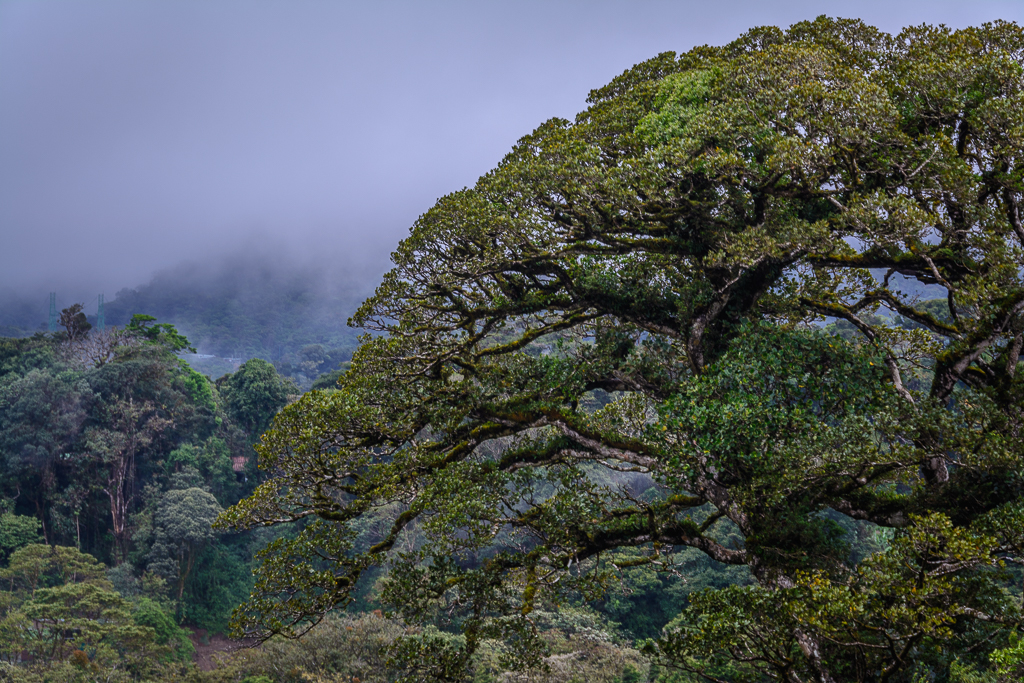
(60,610)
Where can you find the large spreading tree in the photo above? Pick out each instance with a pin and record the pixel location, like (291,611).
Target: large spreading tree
(780,280)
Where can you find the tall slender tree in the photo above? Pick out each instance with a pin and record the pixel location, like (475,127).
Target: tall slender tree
(129,428)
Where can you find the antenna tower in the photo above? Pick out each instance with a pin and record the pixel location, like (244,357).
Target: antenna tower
(101,320)
(53,311)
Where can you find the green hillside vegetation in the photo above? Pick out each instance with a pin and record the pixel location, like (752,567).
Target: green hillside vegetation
(117,457)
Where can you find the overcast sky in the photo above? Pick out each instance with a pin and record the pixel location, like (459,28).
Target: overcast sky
(135,135)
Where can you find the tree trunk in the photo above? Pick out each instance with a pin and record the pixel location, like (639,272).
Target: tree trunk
(808,644)
(118,495)
(42,520)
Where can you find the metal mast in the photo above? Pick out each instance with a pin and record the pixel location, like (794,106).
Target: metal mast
(101,320)
(53,311)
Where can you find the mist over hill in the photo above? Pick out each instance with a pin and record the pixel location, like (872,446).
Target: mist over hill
(250,303)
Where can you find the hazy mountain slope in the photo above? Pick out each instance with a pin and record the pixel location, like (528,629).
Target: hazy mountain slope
(251,303)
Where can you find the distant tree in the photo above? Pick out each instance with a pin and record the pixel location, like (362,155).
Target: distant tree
(211,462)
(254,394)
(312,358)
(19,356)
(40,566)
(74,322)
(166,631)
(146,328)
(184,525)
(200,389)
(68,506)
(102,347)
(65,605)
(328,380)
(42,414)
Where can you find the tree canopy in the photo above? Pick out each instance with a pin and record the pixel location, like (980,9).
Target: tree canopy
(98,432)
(58,602)
(780,281)
(183,526)
(254,394)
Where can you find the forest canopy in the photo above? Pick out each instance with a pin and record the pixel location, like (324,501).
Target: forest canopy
(115,459)
(715,280)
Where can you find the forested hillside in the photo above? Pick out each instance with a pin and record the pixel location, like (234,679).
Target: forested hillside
(249,304)
(116,459)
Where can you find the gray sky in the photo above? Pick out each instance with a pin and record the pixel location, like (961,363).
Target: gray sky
(135,135)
